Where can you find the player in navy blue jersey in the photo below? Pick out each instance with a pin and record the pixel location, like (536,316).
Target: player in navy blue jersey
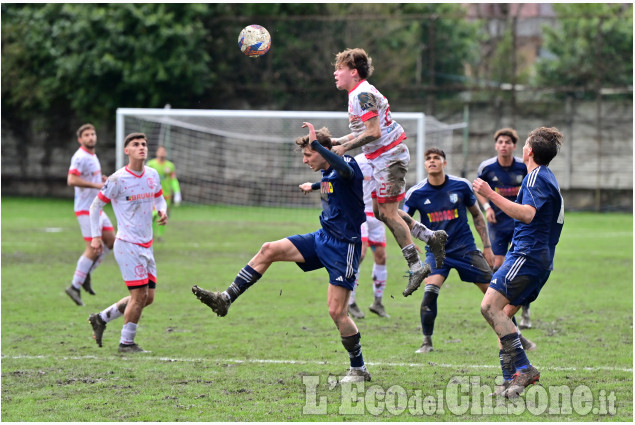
(443,202)
(504,173)
(336,246)
(538,215)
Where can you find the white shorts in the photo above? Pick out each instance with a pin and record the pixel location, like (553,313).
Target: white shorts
(84,225)
(373,231)
(136,263)
(389,173)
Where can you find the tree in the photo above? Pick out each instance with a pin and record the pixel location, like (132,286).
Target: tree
(87,60)
(593,43)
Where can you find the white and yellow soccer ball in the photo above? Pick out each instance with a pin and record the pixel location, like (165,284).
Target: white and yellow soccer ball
(254,40)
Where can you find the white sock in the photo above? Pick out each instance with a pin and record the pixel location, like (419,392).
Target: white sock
(128,332)
(83,268)
(111,313)
(351,299)
(380,275)
(421,232)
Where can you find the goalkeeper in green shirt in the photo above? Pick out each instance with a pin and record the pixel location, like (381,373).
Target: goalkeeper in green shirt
(169,184)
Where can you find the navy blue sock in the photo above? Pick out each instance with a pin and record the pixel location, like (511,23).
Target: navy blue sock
(512,346)
(507,365)
(244,279)
(354,347)
(428,311)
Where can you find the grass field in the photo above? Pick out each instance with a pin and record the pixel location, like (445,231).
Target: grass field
(275,355)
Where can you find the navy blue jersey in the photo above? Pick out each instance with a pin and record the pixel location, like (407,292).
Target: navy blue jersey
(444,207)
(505,181)
(343,203)
(537,240)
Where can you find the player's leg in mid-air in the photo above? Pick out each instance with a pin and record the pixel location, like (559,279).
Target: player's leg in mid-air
(310,251)
(389,174)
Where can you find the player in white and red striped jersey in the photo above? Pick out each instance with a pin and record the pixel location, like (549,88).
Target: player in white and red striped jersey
(380,138)
(134,191)
(373,235)
(85,176)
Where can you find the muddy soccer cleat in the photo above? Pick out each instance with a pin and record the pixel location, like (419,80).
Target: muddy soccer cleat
(214,300)
(87,287)
(378,308)
(426,346)
(499,390)
(522,380)
(525,320)
(131,348)
(527,344)
(355,312)
(437,246)
(99,326)
(356,375)
(415,279)
(75,295)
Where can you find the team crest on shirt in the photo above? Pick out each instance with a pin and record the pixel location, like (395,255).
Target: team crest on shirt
(519,178)
(454,198)
(150,182)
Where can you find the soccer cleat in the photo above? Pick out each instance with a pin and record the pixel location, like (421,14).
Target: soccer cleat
(527,344)
(131,348)
(499,390)
(75,295)
(437,246)
(378,308)
(426,347)
(356,375)
(99,326)
(355,312)
(87,287)
(525,320)
(415,279)
(522,380)
(214,300)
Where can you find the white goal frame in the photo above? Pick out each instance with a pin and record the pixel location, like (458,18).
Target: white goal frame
(300,115)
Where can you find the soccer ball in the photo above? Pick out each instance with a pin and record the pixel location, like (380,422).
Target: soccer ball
(254,40)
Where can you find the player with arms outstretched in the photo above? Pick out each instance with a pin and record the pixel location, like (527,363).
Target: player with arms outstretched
(336,246)
(538,215)
(380,138)
(85,176)
(134,191)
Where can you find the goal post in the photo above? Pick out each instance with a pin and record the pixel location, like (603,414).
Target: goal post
(248,157)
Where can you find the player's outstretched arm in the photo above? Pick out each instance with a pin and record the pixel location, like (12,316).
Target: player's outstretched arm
(521,212)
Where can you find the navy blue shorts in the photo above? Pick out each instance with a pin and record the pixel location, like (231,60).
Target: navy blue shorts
(471,266)
(340,258)
(519,280)
(500,237)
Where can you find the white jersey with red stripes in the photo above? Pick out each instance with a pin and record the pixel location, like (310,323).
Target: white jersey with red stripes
(368,184)
(366,102)
(85,165)
(132,197)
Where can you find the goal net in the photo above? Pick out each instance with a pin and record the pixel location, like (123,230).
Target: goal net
(249,158)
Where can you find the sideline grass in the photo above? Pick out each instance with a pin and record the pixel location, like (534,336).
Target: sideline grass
(252,364)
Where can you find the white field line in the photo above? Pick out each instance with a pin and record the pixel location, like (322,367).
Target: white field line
(314,362)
